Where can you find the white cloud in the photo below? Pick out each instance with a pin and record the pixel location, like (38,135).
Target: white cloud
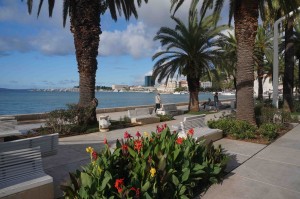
(135,41)
(55,42)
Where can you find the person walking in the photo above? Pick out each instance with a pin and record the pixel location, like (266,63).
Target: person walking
(157,102)
(216,101)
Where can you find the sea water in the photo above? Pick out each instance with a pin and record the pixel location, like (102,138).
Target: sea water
(13,102)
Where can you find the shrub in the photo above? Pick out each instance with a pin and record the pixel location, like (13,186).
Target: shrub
(297,106)
(63,121)
(164,118)
(269,131)
(236,128)
(60,121)
(158,165)
(125,119)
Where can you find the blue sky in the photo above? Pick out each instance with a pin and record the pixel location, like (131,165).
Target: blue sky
(39,53)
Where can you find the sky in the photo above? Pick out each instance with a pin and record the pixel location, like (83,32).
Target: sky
(40,53)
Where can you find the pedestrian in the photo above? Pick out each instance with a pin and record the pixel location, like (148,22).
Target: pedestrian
(157,102)
(216,101)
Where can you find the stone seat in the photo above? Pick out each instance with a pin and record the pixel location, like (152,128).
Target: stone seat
(169,109)
(142,116)
(22,175)
(201,130)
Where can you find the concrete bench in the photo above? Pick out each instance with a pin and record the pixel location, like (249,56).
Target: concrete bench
(142,116)
(169,109)
(47,143)
(201,130)
(8,127)
(22,175)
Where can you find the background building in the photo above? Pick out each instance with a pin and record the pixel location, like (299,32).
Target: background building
(149,81)
(183,84)
(206,84)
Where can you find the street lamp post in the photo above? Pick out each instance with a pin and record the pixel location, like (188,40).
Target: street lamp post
(275,58)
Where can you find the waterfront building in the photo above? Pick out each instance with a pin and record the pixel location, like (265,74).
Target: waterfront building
(182,84)
(206,84)
(119,87)
(149,81)
(167,88)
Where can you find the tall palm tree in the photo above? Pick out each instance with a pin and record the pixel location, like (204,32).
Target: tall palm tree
(245,15)
(85,16)
(189,50)
(263,43)
(228,60)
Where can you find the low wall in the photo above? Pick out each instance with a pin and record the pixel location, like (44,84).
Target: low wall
(42,116)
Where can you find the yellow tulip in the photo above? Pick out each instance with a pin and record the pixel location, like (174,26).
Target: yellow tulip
(89,149)
(152,171)
(146,134)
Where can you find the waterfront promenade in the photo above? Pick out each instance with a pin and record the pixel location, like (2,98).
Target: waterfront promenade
(255,171)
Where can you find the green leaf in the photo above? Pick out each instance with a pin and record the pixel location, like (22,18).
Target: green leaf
(182,190)
(175,180)
(132,152)
(176,153)
(184,197)
(146,154)
(217,170)
(107,174)
(198,167)
(185,175)
(147,196)
(146,186)
(83,193)
(117,152)
(186,152)
(104,183)
(86,180)
(213,180)
(162,163)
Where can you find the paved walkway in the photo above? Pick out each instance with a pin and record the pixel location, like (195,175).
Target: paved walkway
(272,173)
(257,171)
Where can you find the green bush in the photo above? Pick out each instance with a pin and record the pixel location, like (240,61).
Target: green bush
(158,165)
(269,131)
(297,106)
(164,118)
(73,119)
(236,128)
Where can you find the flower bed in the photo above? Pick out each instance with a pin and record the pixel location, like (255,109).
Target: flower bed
(157,165)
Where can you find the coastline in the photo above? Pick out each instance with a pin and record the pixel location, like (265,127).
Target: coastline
(37,117)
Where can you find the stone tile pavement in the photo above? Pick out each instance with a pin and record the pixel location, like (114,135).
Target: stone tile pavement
(257,171)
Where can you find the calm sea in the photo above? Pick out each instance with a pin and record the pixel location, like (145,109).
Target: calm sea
(13,102)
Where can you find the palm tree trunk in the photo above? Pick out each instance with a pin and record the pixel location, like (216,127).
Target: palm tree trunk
(194,87)
(85,26)
(246,23)
(288,79)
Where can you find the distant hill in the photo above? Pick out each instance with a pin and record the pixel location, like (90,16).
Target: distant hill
(8,89)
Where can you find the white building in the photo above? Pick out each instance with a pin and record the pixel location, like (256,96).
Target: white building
(119,87)
(169,88)
(206,84)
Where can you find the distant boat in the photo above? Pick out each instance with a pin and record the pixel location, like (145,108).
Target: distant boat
(184,92)
(176,93)
(227,93)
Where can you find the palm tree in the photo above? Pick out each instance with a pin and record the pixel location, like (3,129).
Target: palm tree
(228,60)
(85,16)
(245,15)
(189,51)
(263,44)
